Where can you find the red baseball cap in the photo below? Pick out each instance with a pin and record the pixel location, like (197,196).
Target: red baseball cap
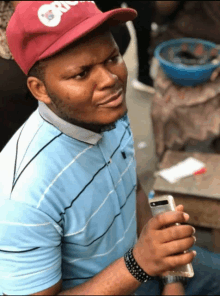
(39,29)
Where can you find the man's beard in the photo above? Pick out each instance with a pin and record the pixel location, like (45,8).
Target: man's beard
(95,127)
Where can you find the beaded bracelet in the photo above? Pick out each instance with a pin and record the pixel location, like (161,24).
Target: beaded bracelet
(134,268)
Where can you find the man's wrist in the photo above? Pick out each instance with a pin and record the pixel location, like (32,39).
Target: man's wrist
(173,289)
(173,279)
(133,267)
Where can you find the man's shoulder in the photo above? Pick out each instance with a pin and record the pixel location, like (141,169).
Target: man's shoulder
(41,162)
(28,155)
(29,141)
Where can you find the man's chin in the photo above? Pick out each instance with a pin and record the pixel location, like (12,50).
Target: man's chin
(112,125)
(97,127)
(116,118)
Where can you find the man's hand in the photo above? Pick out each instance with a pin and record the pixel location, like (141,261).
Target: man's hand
(158,247)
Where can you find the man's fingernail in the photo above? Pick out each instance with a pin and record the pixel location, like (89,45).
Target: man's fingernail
(194,231)
(194,253)
(186,216)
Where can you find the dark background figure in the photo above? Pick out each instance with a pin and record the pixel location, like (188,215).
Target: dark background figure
(142,25)
(16,102)
(121,32)
(196,19)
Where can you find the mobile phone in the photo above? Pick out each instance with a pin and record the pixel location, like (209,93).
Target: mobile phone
(160,205)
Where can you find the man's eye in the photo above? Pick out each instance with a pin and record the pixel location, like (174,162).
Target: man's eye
(81,75)
(115,59)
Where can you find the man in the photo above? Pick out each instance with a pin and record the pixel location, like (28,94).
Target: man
(68,178)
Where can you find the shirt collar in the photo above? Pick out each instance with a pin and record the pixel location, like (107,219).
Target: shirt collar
(67,128)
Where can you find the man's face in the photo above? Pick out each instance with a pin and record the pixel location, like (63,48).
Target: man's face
(87,82)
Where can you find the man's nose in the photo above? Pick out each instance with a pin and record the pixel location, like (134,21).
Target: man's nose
(105,78)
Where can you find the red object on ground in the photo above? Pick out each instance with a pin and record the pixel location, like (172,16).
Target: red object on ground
(202,171)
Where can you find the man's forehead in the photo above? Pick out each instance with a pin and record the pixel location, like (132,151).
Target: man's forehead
(94,36)
(82,48)
(88,61)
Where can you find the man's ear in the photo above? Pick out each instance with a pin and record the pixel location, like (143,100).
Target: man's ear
(38,90)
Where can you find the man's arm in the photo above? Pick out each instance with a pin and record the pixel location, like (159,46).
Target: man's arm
(152,252)
(113,280)
(174,289)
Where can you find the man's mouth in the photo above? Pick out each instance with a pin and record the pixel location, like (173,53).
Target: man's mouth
(114,100)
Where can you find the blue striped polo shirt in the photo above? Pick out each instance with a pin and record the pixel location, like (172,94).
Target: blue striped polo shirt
(67,202)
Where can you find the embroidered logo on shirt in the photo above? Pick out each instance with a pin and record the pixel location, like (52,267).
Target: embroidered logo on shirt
(50,14)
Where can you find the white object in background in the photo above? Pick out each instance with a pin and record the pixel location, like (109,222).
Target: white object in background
(142,145)
(142,87)
(181,170)
(154,68)
(154,26)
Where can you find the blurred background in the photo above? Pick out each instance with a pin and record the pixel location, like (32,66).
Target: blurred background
(147,86)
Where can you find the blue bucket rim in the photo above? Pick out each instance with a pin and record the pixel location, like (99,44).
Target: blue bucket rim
(179,66)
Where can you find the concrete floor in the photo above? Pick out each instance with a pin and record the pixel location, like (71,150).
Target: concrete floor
(139,105)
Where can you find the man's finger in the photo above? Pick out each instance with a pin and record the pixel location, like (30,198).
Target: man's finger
(180,260)
(166,219)
(180,208)
(175,232)
(178,246)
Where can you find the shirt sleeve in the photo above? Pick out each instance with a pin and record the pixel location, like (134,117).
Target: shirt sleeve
(30,249)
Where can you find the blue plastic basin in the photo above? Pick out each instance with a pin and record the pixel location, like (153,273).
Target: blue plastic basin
(182,74)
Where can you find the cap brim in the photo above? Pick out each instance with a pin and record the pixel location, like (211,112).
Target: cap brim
(112,18)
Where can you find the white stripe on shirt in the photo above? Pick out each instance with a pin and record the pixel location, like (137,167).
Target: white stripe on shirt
(101,255)
(91,216)
(55,179)
(30,274)
(21,224)
(130,162)
(71,234)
